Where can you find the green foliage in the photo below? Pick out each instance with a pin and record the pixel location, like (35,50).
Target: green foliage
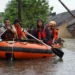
(1,17)
(31,11)
(11,11)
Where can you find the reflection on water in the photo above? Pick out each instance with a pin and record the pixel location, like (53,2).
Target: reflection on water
(44,66)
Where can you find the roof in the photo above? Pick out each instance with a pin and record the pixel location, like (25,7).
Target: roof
(61,18)
(71,23)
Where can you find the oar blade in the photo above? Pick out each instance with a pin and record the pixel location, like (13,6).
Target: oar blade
(58,52)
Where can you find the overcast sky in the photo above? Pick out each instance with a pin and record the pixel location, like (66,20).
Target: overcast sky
(3,4)
(58,8)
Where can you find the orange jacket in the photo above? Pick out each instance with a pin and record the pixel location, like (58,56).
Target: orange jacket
(42,35)
(20,33)
(55,34)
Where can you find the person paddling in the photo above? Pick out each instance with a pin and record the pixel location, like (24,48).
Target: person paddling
(41,32)
(42,35)
(17,28)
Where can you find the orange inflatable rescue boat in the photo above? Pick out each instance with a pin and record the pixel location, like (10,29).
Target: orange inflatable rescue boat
(23,50)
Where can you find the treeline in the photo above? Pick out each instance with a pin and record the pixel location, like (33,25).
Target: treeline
(1,17)
(31,11)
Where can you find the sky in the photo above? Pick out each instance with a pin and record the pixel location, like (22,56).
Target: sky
(58,8)
(3,4)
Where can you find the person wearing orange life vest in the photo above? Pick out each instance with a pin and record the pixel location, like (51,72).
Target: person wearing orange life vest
(53,31)
(16,27)
(41,32)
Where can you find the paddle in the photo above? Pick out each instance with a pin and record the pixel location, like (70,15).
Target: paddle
(55,50)
(2,32)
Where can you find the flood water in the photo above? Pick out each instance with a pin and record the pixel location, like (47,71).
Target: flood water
(45,66)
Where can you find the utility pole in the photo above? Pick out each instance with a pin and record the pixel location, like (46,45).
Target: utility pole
(19,10)
(67,8)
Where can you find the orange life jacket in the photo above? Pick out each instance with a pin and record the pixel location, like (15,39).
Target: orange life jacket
(41,34)
(19,31)
(55,34)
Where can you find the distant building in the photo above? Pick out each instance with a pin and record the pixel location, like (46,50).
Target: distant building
(71,27)
(65,24)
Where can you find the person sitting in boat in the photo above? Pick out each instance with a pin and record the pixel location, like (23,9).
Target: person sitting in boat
(7,33)
(41,32)
(17,28)
(53,31)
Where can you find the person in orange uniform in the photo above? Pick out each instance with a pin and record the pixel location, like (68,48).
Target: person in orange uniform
(17,28)
(53,31)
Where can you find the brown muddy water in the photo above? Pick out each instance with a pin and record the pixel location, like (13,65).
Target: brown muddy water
(45,66)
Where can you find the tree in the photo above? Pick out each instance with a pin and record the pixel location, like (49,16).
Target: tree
(31,11)
(1,17)
(11,11)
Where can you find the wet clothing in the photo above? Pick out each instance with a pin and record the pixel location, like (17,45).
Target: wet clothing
(19,32)
(43,35)
(51,34)
(54,34)
(7,35)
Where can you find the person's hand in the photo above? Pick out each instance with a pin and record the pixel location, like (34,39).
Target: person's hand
(26,38)
(53,41)
(41,40)
(25,33)
(49,47)
(8,27)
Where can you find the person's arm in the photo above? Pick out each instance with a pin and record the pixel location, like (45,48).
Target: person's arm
(55,35)
(13,30)
(24,36)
